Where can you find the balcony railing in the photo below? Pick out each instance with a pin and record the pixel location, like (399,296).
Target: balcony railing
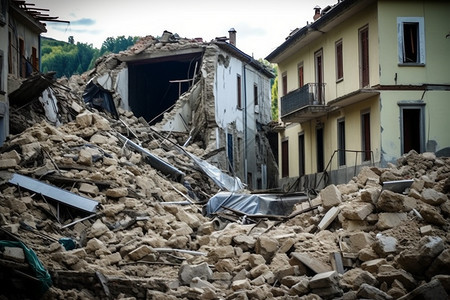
(307,95)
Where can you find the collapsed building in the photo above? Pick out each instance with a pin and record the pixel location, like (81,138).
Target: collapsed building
(96,203)
(211,93)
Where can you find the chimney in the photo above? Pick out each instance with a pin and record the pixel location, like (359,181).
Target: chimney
(232,34)
(316,12)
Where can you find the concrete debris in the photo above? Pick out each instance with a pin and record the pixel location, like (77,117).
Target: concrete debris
(355,240)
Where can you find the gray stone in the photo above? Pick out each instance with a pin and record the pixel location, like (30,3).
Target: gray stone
(385,245)
(14,253)
(188,272)
(323,280)
(441,265)
(370,292)
(433,197)
(432,290)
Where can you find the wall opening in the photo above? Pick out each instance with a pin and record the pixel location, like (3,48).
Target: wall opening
(154,85)
(412,127)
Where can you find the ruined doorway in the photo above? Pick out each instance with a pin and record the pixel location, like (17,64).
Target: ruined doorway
(412,128)
(155,84)
(320,149)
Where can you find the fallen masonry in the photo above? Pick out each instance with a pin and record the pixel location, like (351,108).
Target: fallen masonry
(149,236)
(140,243)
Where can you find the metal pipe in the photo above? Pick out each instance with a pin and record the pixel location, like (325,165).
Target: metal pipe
(154,160)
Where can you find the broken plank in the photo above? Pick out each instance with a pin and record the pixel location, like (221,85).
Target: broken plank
(54,193)
(310,262)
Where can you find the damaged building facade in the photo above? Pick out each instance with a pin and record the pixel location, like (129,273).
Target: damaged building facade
(210,93)
(363,84)
(21,25)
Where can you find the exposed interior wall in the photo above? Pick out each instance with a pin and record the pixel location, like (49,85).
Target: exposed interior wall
(437,46)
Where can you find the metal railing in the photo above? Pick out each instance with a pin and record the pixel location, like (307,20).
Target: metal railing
(309,94)
(365,153)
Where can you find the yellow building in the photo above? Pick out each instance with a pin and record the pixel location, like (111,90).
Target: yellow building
(364,83)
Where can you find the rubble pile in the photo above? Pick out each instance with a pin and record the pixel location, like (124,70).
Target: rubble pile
(147,241)
(149,238)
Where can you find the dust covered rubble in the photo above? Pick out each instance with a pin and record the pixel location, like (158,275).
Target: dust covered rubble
(391,245)
(361,241)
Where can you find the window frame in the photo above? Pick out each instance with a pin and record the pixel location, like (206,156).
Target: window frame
(285,158)
(412,105)
(341,142)
(255,94)
(284,83)
(364,57)
(401,21)
(366,136)
(239,91)
(339,60)
(300,74)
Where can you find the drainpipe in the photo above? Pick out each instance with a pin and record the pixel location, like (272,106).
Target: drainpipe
(245,125)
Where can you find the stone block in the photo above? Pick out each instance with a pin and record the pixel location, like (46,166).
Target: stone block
(87,188)
(243,284)
(391,202)
(331,196)
(323,280)
(8,163)
(385,245)
(357,210)
(367,291)
(373,265)
(14,253)
(440,265)
(360,240)
(329,217)
(84,119)
(140,252)
(117,192)
(313,264)
(433,197)
(187,272)
(390,220)
(266,246)
(430,290)
(431,215)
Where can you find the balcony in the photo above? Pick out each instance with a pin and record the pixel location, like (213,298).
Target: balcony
(304,104)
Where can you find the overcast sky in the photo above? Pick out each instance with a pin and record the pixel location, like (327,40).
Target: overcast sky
(261,25)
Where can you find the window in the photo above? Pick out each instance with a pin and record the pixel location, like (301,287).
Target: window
(239,92)
(339,61)
(3,4)
(284,82)
(364,56)
(318,62)
(341,141)
(320,149)
(285,158)
(365,135)
(412,126)
(255,94)
(1,72)
(411,40)
(301,154)
(22,60)
(230,152)
(301,81)
(34,59)
(10,53)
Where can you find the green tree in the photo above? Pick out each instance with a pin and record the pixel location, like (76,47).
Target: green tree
(274,105)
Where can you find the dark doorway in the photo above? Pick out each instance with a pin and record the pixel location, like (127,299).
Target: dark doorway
(301,154)
(412,135)
(154,85)
(285,158)
(320,150)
